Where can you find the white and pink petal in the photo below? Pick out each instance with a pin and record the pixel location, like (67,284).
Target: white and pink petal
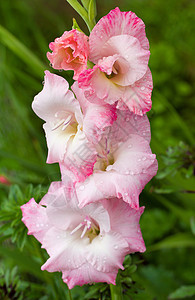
(66,251)
(54,98)
(97,118)
(80,156)
(86,274)
(129,59)
(108,184)
(125,221)
(115,23)
(137,97)
(98,88)
(107,252)
(35,218)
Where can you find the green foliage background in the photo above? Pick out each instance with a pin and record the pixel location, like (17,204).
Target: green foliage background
(166,269)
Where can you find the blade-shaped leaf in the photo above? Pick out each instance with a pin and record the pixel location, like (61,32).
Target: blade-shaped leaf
(92,12)
(10,41)
(85,4)
(175,241)
(183,292)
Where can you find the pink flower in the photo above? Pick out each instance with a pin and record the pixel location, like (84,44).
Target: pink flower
(70,52)
(4,180)
(119,48)
(87,245)
(57,106)
(124,164)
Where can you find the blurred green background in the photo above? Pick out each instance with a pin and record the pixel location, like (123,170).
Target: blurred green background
(166,269)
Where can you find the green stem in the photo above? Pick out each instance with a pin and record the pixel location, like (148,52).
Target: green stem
(116,292)
(82,12)
(69,294)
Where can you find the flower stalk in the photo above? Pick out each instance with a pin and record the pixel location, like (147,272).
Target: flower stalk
(84,13)
(116,292)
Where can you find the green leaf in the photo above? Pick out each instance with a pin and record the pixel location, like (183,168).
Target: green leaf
(25,262)
(85,4)
(10,41)
(75,25)
(82,12)
(165,190)
(92,12)
(184,215)
(132,269)
(7,277)
(189,172)
(183,292)
(4,227)
(192,223)
(178,240)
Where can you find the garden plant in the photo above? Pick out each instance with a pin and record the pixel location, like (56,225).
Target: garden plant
(81,215)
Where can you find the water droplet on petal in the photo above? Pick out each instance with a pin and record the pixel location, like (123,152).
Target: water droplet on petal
(131,173)
(125,194)
(116,247)
(129,146)
(81,188)
(135,117)
(144,158)
(142,88)
(127,119)
(127,172)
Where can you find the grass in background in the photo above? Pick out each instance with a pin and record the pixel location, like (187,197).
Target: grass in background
(168,224)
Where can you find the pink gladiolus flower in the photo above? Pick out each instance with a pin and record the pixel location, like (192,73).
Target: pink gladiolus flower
(87,245)
(67,128)
(57,106)
(70,52)
(124,164)
(119,48)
